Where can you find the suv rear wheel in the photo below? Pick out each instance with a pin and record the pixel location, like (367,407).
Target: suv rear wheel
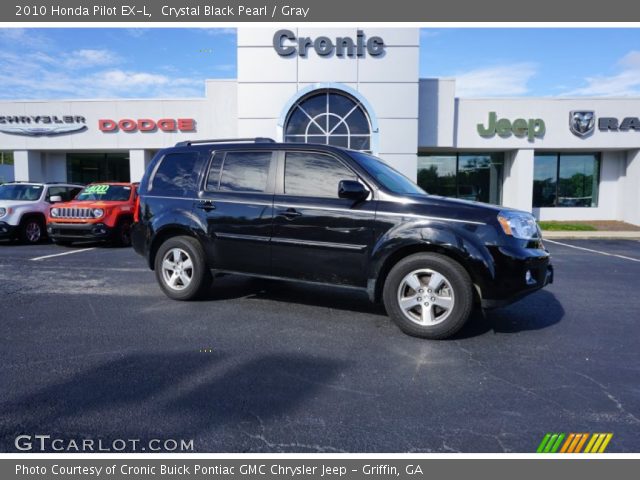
(31,230)
(181,269)
(428,295)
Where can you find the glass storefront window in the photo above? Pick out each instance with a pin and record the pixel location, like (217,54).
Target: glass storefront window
(98,167)
(469,176)
(6,158)
(566,180)
(545,180)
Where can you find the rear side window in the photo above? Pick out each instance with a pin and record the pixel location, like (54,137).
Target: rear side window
(311,174)
(62,192)
(240,172)
(177,175)
(73,192)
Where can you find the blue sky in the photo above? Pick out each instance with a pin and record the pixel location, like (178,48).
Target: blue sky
(138,63)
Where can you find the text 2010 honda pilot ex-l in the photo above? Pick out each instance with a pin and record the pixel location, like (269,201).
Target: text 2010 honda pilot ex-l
(323,214)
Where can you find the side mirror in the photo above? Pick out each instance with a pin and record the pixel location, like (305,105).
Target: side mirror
(352,190)
(55,199)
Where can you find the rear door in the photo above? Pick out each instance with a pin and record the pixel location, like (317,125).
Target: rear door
(318,236)
(237,205)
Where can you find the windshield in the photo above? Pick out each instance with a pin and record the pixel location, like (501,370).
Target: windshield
(388,178)
(105,193)
(27,193)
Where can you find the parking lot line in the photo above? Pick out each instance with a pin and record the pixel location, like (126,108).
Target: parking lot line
(61,254)
(594,251)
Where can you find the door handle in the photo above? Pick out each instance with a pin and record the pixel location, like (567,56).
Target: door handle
(206,205)
(290,213)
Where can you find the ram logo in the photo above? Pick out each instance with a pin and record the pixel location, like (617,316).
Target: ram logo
(582,122)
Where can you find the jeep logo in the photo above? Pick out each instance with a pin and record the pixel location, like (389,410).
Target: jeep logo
(286,44)
(531,129)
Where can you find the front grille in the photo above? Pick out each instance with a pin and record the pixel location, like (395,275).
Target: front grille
(71,212)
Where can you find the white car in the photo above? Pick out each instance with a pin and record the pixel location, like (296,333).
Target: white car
(24,206)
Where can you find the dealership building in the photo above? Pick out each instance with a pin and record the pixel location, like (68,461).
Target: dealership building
(562,158)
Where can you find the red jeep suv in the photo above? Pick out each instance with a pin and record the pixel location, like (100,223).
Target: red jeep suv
(101,211)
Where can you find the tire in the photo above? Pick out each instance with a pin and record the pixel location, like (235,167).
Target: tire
(442,299)
(122,233)
(186,282)
(31,230)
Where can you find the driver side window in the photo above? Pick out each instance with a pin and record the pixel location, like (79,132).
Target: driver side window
(309,174)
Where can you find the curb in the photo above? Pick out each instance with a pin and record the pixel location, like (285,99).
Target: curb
(599,234)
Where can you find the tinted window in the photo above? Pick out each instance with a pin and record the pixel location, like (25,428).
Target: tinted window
(437,174)
(389,178)
(578,180)
(73,191)
(314,175)
(177,175)
(566,180)
(545,180)
(245,171)
(213,179)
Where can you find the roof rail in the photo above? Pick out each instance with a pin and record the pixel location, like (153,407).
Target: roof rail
(226,140)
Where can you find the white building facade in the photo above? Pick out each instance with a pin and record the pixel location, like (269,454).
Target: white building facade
(563,159)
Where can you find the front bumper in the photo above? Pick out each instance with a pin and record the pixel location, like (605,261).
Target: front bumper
(7,230)
(79,231)
(518,272)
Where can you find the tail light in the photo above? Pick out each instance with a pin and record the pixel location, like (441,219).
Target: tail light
(136,210)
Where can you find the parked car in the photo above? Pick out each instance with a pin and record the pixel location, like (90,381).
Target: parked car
(24,206)
(323,214)
(101,211)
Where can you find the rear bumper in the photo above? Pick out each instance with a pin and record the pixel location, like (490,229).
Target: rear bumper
(518,273)
(83,231)
(7,230)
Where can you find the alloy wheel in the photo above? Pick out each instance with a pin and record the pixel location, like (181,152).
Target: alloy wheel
(426,297)
(177,269)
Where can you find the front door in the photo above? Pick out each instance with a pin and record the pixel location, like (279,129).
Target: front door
(318,236)
(237,206)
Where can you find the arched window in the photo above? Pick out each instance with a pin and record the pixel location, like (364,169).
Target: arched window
(330,117)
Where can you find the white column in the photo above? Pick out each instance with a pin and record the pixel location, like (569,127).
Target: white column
(517,190)
(55,167)
(631,189)
(138,161)
(27,166)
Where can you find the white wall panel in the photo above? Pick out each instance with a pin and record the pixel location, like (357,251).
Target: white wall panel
(263,64)
(392,100)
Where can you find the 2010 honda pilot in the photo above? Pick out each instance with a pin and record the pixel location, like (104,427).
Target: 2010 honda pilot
(323,214)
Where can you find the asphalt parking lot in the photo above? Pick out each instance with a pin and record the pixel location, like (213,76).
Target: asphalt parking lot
(91,348)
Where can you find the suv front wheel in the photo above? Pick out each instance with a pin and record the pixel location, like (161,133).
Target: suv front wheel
(181,269)
(428,295)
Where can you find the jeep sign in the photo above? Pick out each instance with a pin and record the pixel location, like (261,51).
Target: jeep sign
(531,129)
(286,44)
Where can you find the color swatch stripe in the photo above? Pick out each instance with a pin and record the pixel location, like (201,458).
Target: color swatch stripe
(567,442)
(582,442)
(573,442)
(606,442)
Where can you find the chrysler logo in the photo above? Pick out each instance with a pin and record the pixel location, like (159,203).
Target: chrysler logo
(42,125)
(582,122)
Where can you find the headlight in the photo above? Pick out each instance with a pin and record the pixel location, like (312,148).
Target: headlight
(518,224)
(3,212)
(98,212)
(54,212)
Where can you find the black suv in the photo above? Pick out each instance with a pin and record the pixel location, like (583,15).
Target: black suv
(323,214)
